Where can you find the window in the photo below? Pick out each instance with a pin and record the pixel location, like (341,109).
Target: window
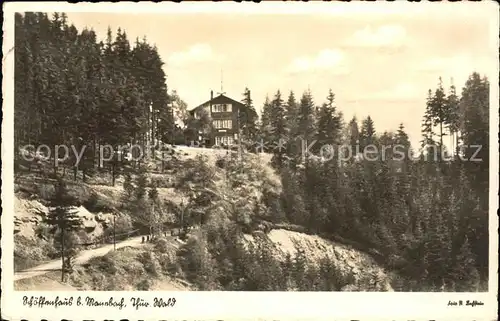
(221,108)
(226,140)
(223,123)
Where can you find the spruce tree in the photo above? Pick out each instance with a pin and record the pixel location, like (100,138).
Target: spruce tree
(367,135)
(464,272)
(439,112)
(291,114)
(452,117)
(266,126)
(64,220)
(278,127)
(353,136)
(427,123)
(329,123)
(248,117)
(306,118)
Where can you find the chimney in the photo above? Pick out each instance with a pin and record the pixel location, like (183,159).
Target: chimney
(210,103)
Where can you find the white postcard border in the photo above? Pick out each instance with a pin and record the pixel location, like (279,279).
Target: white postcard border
(243,305)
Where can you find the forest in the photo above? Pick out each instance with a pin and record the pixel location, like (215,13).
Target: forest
(426,216)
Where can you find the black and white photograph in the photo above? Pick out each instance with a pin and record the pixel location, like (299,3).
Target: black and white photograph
(322,150)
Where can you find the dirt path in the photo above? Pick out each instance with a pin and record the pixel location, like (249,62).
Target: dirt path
(81,258)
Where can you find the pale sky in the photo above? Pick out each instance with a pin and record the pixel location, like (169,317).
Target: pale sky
(377,64)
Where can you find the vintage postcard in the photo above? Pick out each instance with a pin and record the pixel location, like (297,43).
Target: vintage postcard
(230,161)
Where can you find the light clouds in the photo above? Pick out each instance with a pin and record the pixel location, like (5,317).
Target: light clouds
(383,36)
(459,67)
(385,60)
(440,64)
(400,92)
(454,64)
(197,53)
(330,60)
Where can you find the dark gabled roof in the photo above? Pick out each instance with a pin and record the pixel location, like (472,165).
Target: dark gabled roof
(221,99)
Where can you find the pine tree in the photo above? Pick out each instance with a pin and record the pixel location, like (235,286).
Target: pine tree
(353,135)
(293,142)
(439,111)
(474,106)
(248,117)
(63,220)
(155,217)
(427,123)
(141,184)
(266,126)
(452,117)
(464,271)
(306,118)
(402,142)
(367,135)
(128,187)
(402,138)
(278,127)
(329,123)
(291,114)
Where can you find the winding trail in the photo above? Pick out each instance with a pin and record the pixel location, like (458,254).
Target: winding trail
(82,258)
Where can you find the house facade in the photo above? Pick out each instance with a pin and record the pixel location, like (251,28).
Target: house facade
(223,114)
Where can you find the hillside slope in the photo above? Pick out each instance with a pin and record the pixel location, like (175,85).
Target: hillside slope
(144,267)
(368,275)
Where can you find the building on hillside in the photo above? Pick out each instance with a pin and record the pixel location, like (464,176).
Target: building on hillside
(223,114)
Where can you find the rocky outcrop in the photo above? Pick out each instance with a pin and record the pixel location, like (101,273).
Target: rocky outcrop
(28,214)
(367,274)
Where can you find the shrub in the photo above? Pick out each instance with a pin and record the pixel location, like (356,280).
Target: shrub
(198,265)
(45,191)
(168,264)
(42,231)
(221,162)
(95,204)
(150,263)
(163,181)
(31,252)
(123,225)
(161,245)
(83,237)
(143,285)
(104,264)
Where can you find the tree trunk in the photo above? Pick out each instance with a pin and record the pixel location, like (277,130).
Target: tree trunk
(113,173)
(94,144)
(441,134)
(98,154)
(62,255)
(153,127)
(162,161)
(114,232)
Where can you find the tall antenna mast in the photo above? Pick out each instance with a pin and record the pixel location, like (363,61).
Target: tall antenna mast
(221,83)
